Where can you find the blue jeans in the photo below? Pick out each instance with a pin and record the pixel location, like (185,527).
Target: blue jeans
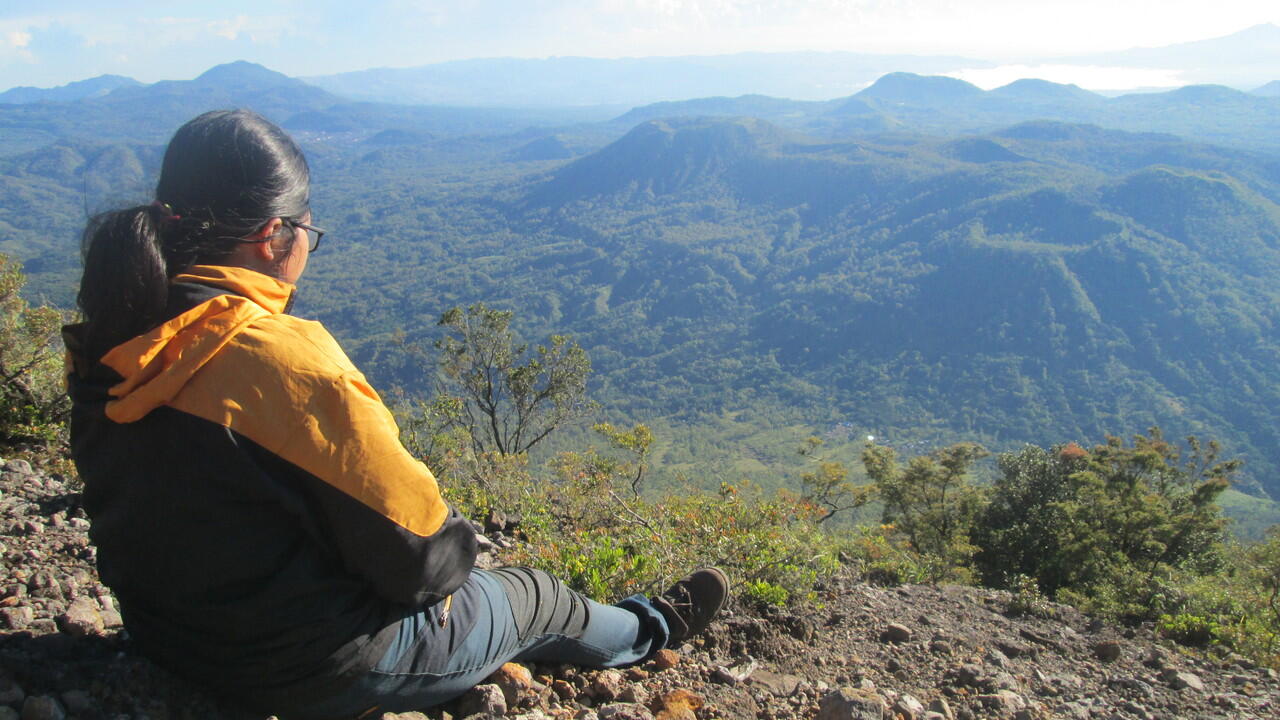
(496,617)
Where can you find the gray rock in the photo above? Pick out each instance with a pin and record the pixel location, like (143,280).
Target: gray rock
(43,707)
(634,694)
(22,467)
(77,701)
(607,686)
(44,584)
(941,707)
(778,684)
(1014,648)
(852,704)
(17,618)
(1182,680)
(1004,702)
(1001,681)
(969,675)
(111,619)
(896,633)
(624,711)
(82,618)
(483,700)
(909,706)
(736,674)
(1134,685)
(1074,711)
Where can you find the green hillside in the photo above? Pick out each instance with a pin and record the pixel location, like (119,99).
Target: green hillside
(716,267)
(741,285)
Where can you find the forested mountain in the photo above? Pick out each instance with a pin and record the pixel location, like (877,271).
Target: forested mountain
(831,270)
(150,113)
(1046,282)
(79,90)
(947,106)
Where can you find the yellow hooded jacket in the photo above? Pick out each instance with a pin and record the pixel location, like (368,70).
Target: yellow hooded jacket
(253,508)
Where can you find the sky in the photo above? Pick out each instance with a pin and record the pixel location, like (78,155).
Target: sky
(51,42)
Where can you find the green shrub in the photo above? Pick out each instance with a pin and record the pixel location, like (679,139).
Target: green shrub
(1108,523)
(33,402)
(1187,629)
(1026,599)
(930,503)
(763,592)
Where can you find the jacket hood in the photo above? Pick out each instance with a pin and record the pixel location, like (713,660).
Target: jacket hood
(157,364)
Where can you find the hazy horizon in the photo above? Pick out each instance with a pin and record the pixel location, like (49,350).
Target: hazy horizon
(150,41)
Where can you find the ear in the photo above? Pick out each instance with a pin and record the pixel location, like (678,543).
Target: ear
(260,247)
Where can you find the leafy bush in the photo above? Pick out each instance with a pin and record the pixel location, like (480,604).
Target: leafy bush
(1027,599)
(1106,523)
(1187,629)
(33,402)
(930,503)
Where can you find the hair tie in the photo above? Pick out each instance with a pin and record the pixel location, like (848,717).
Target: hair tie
(170,215)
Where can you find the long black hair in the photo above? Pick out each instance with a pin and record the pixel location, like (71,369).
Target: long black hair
(225,174)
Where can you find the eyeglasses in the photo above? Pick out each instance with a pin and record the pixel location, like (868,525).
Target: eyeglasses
(313,233)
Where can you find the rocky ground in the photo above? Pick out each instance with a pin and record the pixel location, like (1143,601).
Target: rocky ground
(911,652)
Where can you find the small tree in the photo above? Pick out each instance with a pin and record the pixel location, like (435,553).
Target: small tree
(828,487)
(637,441)
(510,399)
(930,501)
(32,399)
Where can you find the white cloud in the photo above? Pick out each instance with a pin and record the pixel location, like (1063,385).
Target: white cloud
(15,44)
(231,29)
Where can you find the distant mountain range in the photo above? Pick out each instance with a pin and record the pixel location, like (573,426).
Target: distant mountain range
(1242,60)
(575,81)
(896,102)
(150,113)
(921,259)
(904,102)
(79,90)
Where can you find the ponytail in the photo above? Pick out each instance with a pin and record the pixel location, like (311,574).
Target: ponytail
(125,285)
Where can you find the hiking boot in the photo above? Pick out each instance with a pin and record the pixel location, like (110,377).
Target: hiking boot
(689,605)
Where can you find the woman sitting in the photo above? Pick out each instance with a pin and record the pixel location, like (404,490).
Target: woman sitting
(265,532)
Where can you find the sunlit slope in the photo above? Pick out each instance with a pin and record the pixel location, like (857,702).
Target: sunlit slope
(1005,288)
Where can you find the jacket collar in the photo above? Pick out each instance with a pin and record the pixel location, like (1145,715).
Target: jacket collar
(265,291)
